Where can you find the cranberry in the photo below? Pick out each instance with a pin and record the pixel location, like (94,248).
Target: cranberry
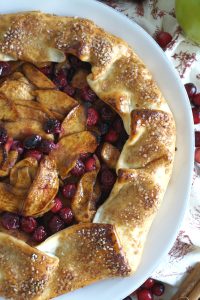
(87,94)
(10,221)
(60,79)
(92,117)
(197,138)
(196,100)
(52,126)
(112,136)
(18,146)
(197,155)
(28,224)
(191,90)
(39,234)
(144,295)
(34,153)
(148,283)
(3,135)
(106,114)
(85,156)
(196,115)
(107,178)
(163,38)
(56,224)
(103,128)
(69,90)
(69,190)
(66,215)
(47,146)
(118,125)
(47,70)
(57,206)
(5,68)
(90,164)
(79,168)
(32,141)
(158,289)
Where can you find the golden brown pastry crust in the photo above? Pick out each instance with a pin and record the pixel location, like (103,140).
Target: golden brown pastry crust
(121,80)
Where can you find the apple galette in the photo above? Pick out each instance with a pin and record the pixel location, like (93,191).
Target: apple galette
(87,143)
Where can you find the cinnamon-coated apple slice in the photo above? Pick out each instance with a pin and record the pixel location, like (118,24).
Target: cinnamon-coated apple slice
(69,149)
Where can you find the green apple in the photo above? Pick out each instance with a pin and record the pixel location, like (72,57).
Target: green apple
(188,16)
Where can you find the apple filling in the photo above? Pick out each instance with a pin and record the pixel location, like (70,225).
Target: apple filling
(59,147)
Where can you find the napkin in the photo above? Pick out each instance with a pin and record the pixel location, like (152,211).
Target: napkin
(155,16)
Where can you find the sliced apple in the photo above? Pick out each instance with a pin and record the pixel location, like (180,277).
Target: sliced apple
(8,110)
(37,78)
(84,202)
(74,122)
(69,149)
(55,100)
(110,155)
(8,200)
(23,173)
(43,189)
(24,127)
(8,164)
(17,87)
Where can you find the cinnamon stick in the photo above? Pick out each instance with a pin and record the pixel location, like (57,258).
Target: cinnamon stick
(188,285)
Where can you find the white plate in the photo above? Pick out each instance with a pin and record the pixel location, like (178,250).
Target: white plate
(167,223)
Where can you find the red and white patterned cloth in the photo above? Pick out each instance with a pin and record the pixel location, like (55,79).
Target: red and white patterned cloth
(155,16)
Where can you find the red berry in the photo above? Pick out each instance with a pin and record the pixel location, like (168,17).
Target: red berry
(158,289)
(196,115)
(191,90)
(60,79)
(47,70)
(5,68)
(144,295)
(57,206)
(10,221)
(39,234)
(163,38)
(196,100)
(66,215)
(69,90)
(32,141)
(69,190)
(34,153)
(56,224)
(28,224)
(197,155)
(197,138)
(112,136)
(79,168)
(148,283)
(118,125)
(52,126)
(3,135)
(92,117)
(85,156)
(106,114)
(87,94)
(18,146)
(90,164)
(107,178)
(47,146)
